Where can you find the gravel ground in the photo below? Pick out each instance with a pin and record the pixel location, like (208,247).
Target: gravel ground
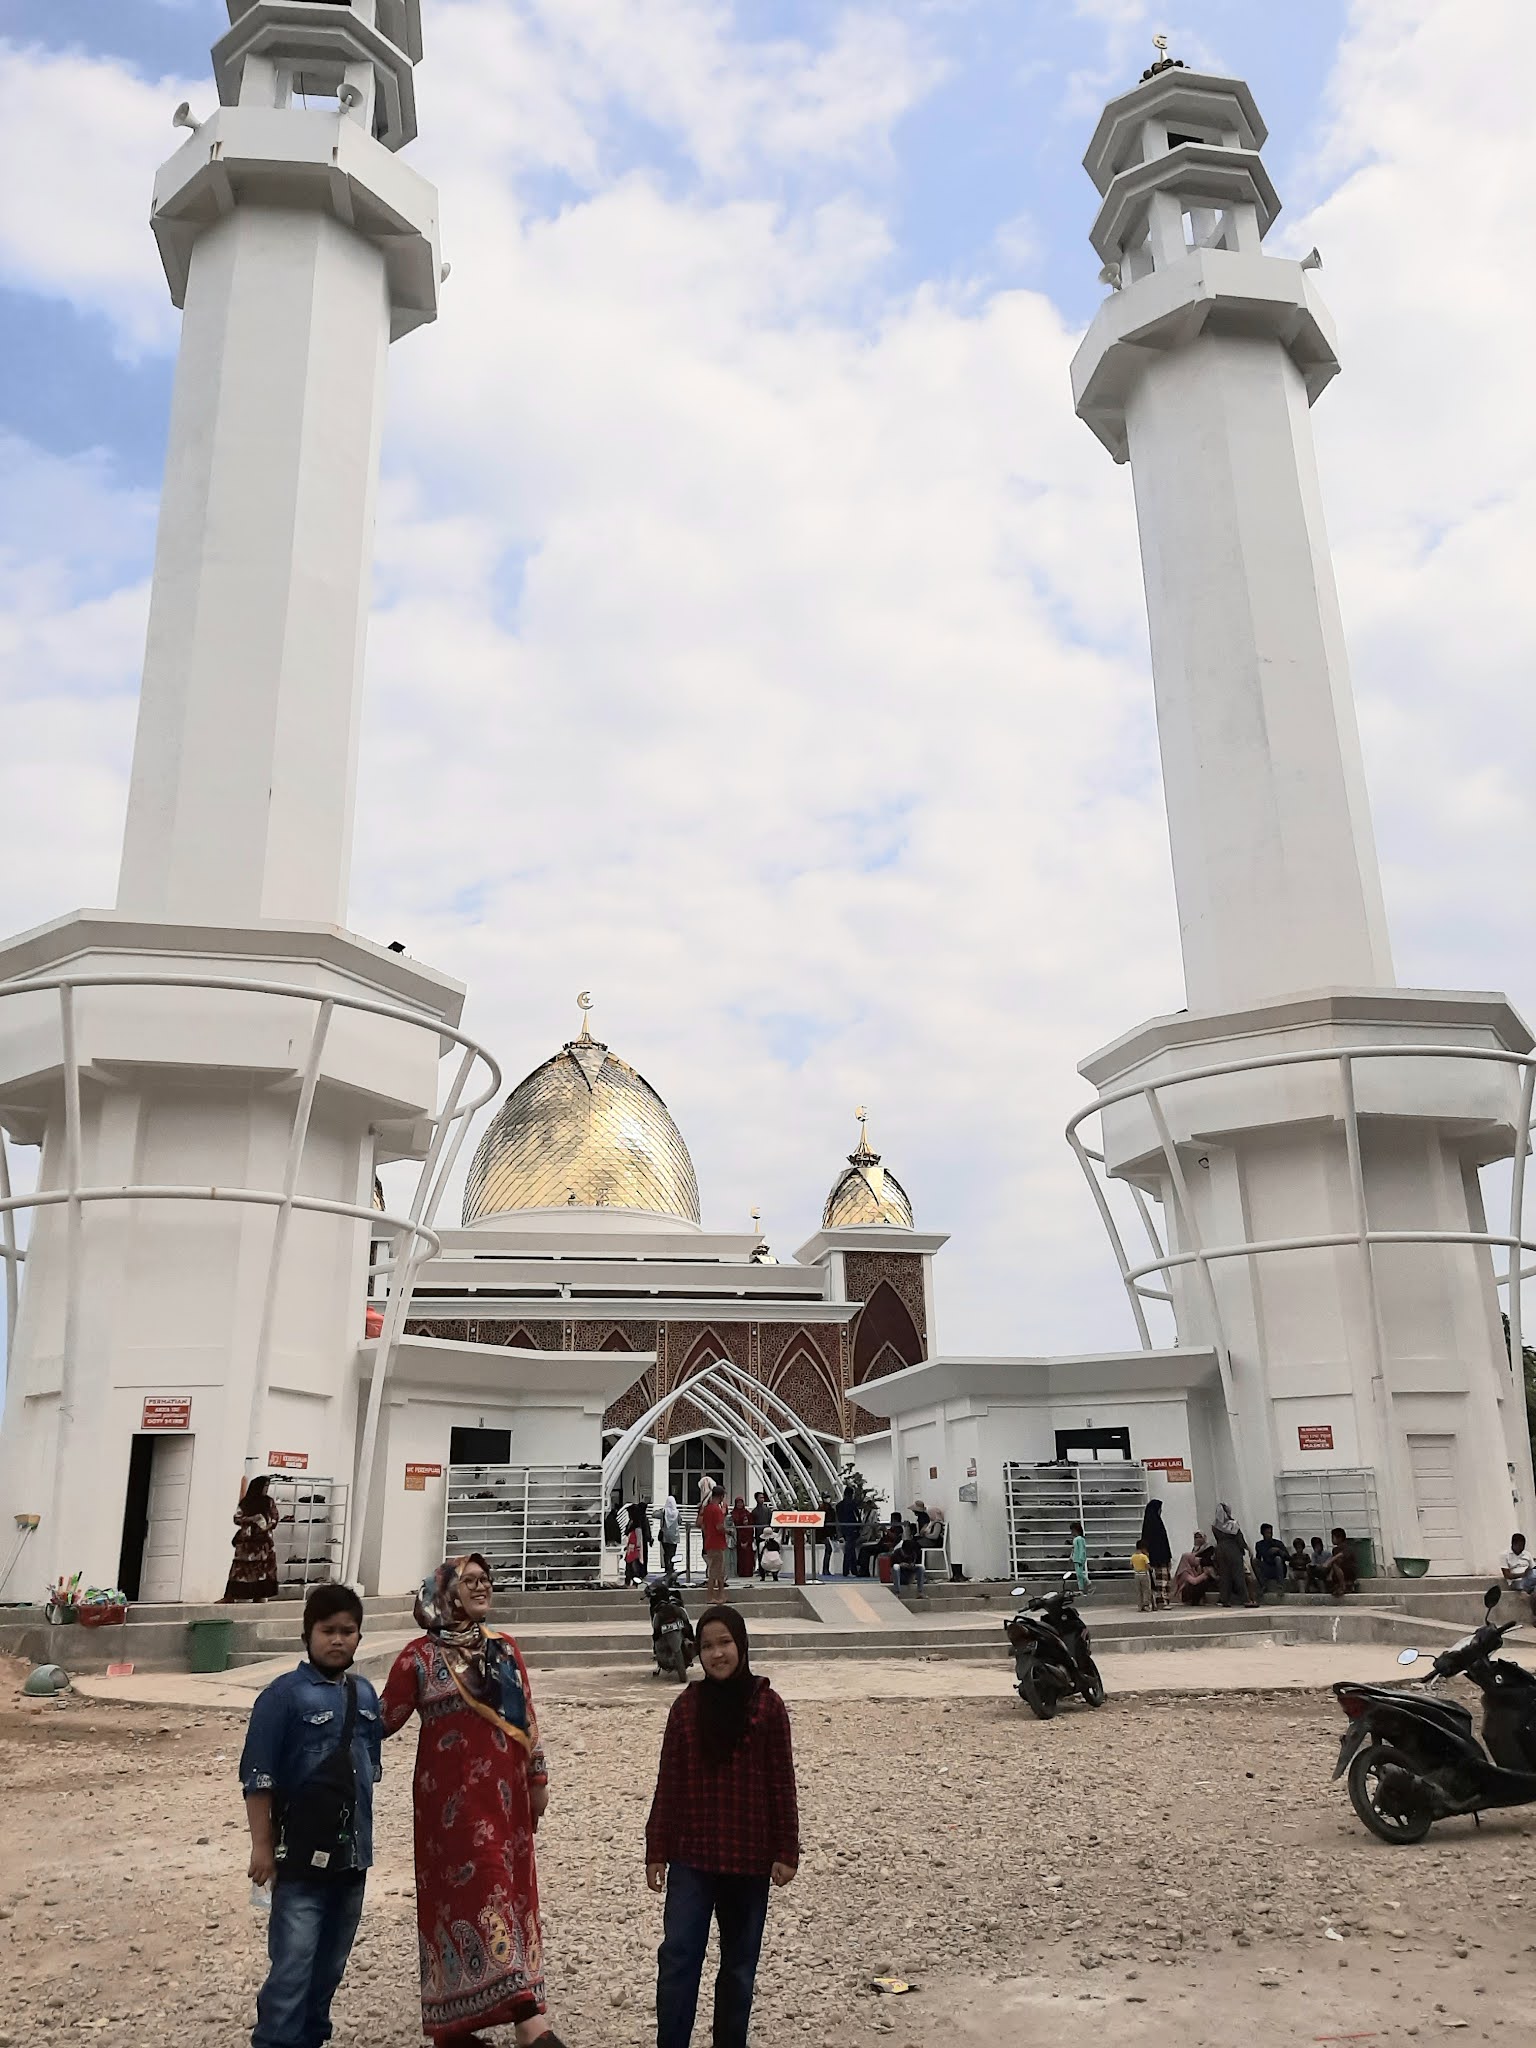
(1172,1870)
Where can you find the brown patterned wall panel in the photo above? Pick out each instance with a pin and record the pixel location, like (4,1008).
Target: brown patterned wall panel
(884,1327)
(632,1403)
(902,1272)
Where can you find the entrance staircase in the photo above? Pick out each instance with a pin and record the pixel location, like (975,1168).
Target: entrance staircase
(607,1629)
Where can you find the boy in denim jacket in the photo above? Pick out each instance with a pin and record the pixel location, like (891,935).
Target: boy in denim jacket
(295,1725)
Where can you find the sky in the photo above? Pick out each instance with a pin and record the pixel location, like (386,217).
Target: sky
(757,639)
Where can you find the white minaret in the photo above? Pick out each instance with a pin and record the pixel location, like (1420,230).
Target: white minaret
(299,245)
(1381,1383)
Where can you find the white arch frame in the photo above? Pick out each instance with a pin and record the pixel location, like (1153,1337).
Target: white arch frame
(449,1125)
(720,1378)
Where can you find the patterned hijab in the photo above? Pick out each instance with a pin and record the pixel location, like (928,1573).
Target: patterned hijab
(481,1661)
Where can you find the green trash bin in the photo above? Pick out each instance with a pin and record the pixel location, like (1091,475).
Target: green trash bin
(212,1642)
(1365,1555)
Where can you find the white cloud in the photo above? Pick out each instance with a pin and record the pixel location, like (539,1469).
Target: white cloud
(79,142)
(764,648)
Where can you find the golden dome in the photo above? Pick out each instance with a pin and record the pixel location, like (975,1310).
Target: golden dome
(582,1131)
(866,1193)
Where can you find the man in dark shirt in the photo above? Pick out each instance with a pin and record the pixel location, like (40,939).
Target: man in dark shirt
(1270,1559)
(907,1560)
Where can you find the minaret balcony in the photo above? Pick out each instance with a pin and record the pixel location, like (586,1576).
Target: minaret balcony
(267,156)
(308,48)
(1200,178)
(1173,105)
(1213,290)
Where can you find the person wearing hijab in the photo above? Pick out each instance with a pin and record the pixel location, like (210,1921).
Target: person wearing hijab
(1195,1576)
(724,1827)
(1154,1541)
(670,1533)
(253,1571)
(481,1789)
(746,1537)
(1231,1558)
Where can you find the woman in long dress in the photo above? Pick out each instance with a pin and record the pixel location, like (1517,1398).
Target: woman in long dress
(480,1791)
(746,1538)
(253,1573)
(1154,1541)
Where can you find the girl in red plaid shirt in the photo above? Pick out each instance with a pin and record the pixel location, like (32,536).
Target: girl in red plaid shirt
(724,1828)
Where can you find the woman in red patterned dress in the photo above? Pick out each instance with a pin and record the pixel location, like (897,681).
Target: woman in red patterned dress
(481,1789)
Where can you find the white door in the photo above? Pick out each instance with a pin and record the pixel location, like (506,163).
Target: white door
(1433,1459)
(170,1482)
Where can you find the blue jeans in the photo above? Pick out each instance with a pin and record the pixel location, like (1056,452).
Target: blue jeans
(309,1940)
(740,1905)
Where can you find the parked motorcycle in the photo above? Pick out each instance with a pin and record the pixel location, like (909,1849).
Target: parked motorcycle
(1413,1759)
(1051,1652)
(672,1639)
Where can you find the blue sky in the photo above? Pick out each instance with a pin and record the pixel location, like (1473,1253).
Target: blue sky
(757,638)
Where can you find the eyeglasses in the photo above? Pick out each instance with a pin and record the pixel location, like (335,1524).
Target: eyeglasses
(473,1579)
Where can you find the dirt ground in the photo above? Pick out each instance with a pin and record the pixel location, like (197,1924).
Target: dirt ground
(1172,1870)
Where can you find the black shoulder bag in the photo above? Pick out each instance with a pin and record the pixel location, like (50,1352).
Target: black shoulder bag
(315,1824)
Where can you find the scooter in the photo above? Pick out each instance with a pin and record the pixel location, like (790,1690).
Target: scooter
(1051,1657)
(1413,1759)
(672,1639)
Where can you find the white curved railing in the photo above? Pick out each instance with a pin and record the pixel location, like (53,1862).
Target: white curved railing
(412,1236)
(1363,1237)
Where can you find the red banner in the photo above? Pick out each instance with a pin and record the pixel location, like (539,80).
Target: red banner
(287,1461)
(167,1411)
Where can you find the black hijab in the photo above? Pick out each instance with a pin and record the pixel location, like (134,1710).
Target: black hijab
(725,1704)
(1154,1537)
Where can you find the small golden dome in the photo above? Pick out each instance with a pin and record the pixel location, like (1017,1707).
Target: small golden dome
(866,1193)
(582,1131)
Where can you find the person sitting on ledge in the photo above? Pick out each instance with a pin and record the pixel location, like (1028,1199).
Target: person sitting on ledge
(1518,1569)
(1317,1567)
(1196,1574)
(1269,1557)
(1341,1574)
(1299,1565)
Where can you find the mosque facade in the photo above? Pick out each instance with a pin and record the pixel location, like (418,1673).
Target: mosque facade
(581,1234)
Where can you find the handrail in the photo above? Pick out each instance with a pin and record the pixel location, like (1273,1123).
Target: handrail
(1364,1237)
(412,1238)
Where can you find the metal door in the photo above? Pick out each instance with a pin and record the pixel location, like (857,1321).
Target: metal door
(170,1482)
(1433,1459)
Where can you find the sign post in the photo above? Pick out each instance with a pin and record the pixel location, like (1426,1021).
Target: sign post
(798,1521)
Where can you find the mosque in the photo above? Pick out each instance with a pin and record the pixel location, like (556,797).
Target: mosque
(199,1086)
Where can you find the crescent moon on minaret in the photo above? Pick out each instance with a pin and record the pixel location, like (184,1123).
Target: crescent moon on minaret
(584,1000)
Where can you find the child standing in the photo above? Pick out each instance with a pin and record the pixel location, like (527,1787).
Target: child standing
(1080,1556)
(724,1826)
(1141,1565)
(308,1769)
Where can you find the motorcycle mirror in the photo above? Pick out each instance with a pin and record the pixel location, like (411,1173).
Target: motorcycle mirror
(1492,1597)
(1407,1656)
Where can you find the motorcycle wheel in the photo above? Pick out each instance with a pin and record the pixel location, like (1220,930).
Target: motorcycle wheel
(1383,1807)
(1040,1702)
(1092,1686)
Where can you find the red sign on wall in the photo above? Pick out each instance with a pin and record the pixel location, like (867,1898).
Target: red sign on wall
(288,1461)
(416,1477)
(1315,1436)
(1163,1464)
(167,1411)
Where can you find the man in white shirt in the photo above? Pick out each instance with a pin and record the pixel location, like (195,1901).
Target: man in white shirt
(1519,1570)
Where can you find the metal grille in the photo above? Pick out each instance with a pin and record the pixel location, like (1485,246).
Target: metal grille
(1044,1501)
(535,1525)
(311,1529)
(1312,1503)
